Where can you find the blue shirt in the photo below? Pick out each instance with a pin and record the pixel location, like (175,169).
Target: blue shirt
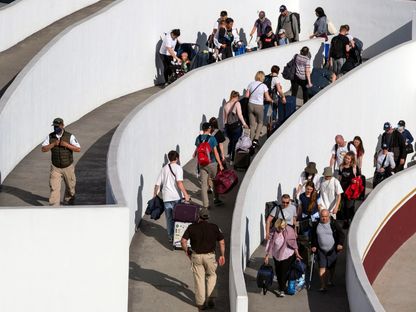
(212,142)
(407,136)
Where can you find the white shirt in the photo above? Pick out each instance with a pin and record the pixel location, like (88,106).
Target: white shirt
(72,140)
(329,189)
(170,189)
(273,86)
(389,160)
(303,179)
(341,151)
(168,42)
(289,212)
(257,97)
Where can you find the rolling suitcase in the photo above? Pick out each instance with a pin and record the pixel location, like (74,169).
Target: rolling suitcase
(284,111)
(320,78)
(225,180)
(185,212)
(242,160)
(178,230)
(265,277)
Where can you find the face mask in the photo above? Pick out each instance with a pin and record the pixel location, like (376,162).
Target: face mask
(401,129)
(57,130)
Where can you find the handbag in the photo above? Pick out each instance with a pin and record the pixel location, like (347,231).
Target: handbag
(355,189)
(225,180)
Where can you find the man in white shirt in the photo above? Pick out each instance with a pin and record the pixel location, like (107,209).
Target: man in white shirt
(62,144)
(167,52)
(330,191)
(171,179)
(286,211)
(339,150)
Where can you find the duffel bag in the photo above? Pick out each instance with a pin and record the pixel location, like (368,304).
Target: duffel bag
(225,180)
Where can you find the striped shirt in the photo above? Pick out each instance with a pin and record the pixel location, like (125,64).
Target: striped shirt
(302,62)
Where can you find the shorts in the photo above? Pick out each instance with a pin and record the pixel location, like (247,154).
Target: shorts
(327,259)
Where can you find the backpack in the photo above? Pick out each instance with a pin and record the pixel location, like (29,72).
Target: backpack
(348,147)
(203,151)
(297,15)
(268,82)
(337,47)
(289,71)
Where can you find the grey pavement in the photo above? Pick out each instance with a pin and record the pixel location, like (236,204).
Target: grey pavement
(394,284)
(15,58)
(28,183)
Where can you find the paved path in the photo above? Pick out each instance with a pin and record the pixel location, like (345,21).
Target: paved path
(394,285)
(28,183)
(15,58)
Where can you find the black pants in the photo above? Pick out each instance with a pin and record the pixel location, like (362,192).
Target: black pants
(295,86)
(399,167)
(167,65)
(282,269)
(226,52)
(347,207)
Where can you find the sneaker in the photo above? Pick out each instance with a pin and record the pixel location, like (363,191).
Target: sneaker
(231,163)
(322,290)
(218,202)
(201,307)
(170,239)
(280,294)
(210,190)
(211,303)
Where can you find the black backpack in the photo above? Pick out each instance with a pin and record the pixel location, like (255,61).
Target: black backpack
(337,47)
(268,82)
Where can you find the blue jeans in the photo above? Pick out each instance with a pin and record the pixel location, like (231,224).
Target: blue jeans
(169,216)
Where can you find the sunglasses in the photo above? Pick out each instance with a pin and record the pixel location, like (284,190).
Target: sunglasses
(286,202)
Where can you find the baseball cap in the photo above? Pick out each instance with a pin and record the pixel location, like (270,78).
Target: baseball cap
(384,146)
(206,126)
(282,8)
(387,125)
(401,123)
(281,31)
(204,213)
(57,122)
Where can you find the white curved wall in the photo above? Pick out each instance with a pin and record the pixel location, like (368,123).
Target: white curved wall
(104,57)
(358,104)
(380,24)
(23,18)
(369,220)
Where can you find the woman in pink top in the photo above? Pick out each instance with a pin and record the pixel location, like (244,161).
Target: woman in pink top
(283,247)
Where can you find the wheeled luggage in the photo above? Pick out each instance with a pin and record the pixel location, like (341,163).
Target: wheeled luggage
(284,111)
(242,159)
(320,78)
(225,180)
(185,212)
(265,277)
(178,230)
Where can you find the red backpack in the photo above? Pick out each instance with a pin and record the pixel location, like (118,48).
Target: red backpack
(203,152)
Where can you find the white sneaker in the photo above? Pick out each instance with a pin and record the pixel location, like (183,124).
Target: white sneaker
(280,294)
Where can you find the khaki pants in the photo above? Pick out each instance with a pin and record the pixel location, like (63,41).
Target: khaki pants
(207,172)
(56,175)
(204,267)
(255,116)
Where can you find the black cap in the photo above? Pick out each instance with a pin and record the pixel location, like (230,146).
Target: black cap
(57,122)
(386,126)
(384,146)
(206,126)
(282,8)
(401,123)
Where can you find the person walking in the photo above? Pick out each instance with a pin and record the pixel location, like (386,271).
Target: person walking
(330,191)
(234,121)
(62,145)
(256,93)
(396,144)
(320,27)
(173,190)
(289,22)
(303,74)
(167,52)
(260,25)
(286,211)
(204,237)
(407,136)
(340,45)
(327,241)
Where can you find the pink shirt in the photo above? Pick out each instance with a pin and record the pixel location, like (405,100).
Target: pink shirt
(281,246)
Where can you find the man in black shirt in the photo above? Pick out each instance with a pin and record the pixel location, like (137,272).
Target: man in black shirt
(204,236)
(396,144)
(268,40)
(340,45)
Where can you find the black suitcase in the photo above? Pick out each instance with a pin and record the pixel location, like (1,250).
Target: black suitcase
(241,160)
(265,277)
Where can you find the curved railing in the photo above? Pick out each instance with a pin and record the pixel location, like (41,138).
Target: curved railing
(357,104)
(22,18)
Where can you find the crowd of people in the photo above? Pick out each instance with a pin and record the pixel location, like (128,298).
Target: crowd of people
(321,202)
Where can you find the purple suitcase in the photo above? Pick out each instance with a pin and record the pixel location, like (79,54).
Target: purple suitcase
(185,212)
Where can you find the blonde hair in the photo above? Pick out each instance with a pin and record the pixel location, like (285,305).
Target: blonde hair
(280,224)
(234,94)
(259,76)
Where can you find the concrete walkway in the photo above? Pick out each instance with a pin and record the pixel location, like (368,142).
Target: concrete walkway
(15,58)
(28,183)
(394,284)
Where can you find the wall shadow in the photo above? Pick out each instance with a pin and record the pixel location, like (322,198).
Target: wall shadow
(161,282)
(151,229)
(27,197)
(4,88)
(399,36)
(159,79)
(139,209)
